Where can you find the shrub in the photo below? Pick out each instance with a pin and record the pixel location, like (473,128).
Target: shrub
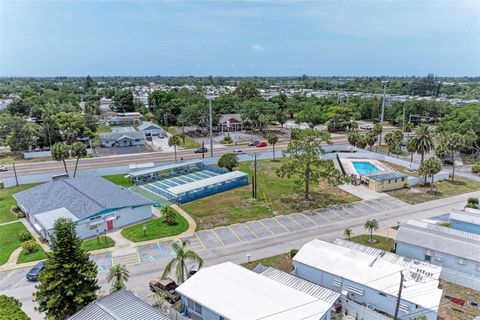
(227,140)
(24,236)
(30,246)
(473,201)
(169,216)
(10,308)
(476,167)
(293,252)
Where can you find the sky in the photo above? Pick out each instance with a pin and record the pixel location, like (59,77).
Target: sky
(239,38)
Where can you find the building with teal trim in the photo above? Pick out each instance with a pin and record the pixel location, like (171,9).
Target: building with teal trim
(467,220)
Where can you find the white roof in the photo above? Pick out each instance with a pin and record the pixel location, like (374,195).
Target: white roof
(378,270)
(465,216)
(206,182)
(48,218)
(236,293)
(163,168)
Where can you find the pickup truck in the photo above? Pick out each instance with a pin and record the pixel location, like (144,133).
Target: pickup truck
(166,285)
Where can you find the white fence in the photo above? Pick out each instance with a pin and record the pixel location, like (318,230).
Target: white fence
(360,312)
(43,154)
(463,279)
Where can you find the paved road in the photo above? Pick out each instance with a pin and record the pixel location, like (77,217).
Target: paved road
(13,283)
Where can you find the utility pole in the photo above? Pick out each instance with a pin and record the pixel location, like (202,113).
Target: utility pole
(403,125)
(203,149)
(397,307)
(210,120)
(383,111)
(255,175)
(15,172)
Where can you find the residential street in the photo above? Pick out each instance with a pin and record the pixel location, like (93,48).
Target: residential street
(140,274)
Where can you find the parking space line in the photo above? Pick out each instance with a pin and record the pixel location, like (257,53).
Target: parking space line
(23,279)
(323,216)
(350,211)
(288,216)
(338,216)
(160,248)
(265,226)
(251,230)
(8,276)
(231,230)
(200,240)
(357,207)
(310,219)
(216,235)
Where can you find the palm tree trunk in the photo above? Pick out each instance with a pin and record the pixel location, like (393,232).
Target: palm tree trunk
(371,235)
(65,166)
(453,171)
(423,155)
(76,165)
(273,146)
(431,185)
(175,151)
(411,156)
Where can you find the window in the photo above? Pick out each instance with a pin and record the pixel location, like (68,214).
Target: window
(428,258)
(191,304)
(137,140)
(461,261)
(396,180)
(382,294)
(403,179)
(337,283)
(477,267)
(355,290)
(198,308)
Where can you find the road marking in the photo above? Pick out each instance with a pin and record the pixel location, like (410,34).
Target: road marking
(218,238)
(308,218)
(23,279)
(351,212)
(200,240)
(323,216)
(8,276)
(251,230)
(236,236)
(266,227)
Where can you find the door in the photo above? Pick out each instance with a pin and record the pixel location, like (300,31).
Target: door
(109,224)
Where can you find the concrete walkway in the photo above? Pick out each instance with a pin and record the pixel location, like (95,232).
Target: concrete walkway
(361,192)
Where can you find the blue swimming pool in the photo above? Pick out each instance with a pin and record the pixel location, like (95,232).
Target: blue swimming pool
(364,168)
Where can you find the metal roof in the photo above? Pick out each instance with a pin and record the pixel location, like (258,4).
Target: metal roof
(163,168)
(465,216)
(382,176)
(206,182)
(121,135)
(119,305)
(302,285)
(441,239)
(48,218)
(82,196)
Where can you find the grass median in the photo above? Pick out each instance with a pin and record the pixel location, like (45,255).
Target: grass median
(155,229)
(7,201)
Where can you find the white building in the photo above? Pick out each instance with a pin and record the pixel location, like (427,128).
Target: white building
(369,279)
(229,291)
(122,139)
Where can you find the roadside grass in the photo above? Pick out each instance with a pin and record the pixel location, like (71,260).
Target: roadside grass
(383,243)
(189,142)
(449,310)
(17,157)
(38,254)
(9,239)
(6,201)
(282,262)
(276,196)
(444,189)
(120,179)
(156,229)
(101,243)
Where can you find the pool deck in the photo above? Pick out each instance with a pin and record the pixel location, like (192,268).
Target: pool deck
(347,164)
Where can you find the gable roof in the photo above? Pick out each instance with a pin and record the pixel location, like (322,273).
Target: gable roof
(120,135)
(147,125)
(232,117)
(82,196)
(466,216)
(441,239)
(119,305)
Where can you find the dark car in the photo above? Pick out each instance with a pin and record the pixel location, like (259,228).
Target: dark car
(261,145)
(168,286)
(254,143)
(201,150)
(33,274)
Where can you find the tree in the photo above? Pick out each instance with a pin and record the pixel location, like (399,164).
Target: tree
(79,150)
(364,140)
(455,142)
(411,147)
(390,142)
(371,225)
(169,216)
(60,152)
(429,168)
(272,138)
(228,161)
(123,101)
(377,130)
(347,233)
(353,137)
(304,153)
(71,125)
(174,141)
(69,281)
(117,277)
(10,309)
(370,139)
(246,91)
(179,263)
(423,140)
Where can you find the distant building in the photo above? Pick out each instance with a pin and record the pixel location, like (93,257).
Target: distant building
(228,291)
(136,115)
(467,220)
(121,121)
(233,121)
(92,203)
(123,129)
(368,279)
(119,305)
(122,139)
(456,251)
(152,129)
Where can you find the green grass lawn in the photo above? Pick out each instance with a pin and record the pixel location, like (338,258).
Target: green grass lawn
(6,201)
(444,189)
(9,239)
(101,128)
(282,262)
(38,254)
(276,196)
(156,228)
(383,243)
(189,142)
(93,244)
(119,179)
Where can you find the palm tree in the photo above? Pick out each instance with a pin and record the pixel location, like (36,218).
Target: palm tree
(60,152)
(353,137)
(371,138)
(398,138)
(118,276)
(347,233)
(371,225)
(79,150)
(411,148)
(430,168)
(174,141)
(389,141)
(272,138)
(179,263)
(377,131)
(455,142)
(423,140)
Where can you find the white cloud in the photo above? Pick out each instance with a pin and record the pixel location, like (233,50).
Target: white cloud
(257,47)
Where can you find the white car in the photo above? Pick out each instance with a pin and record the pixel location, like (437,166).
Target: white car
(3,168)
(237,151)
(366,127)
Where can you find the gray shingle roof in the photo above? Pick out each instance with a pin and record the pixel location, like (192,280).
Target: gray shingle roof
(148,126)
(441,239)
(119,305)
(83,196)
(119,135)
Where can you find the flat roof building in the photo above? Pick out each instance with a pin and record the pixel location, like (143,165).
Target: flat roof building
(467,220)
(229,291)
